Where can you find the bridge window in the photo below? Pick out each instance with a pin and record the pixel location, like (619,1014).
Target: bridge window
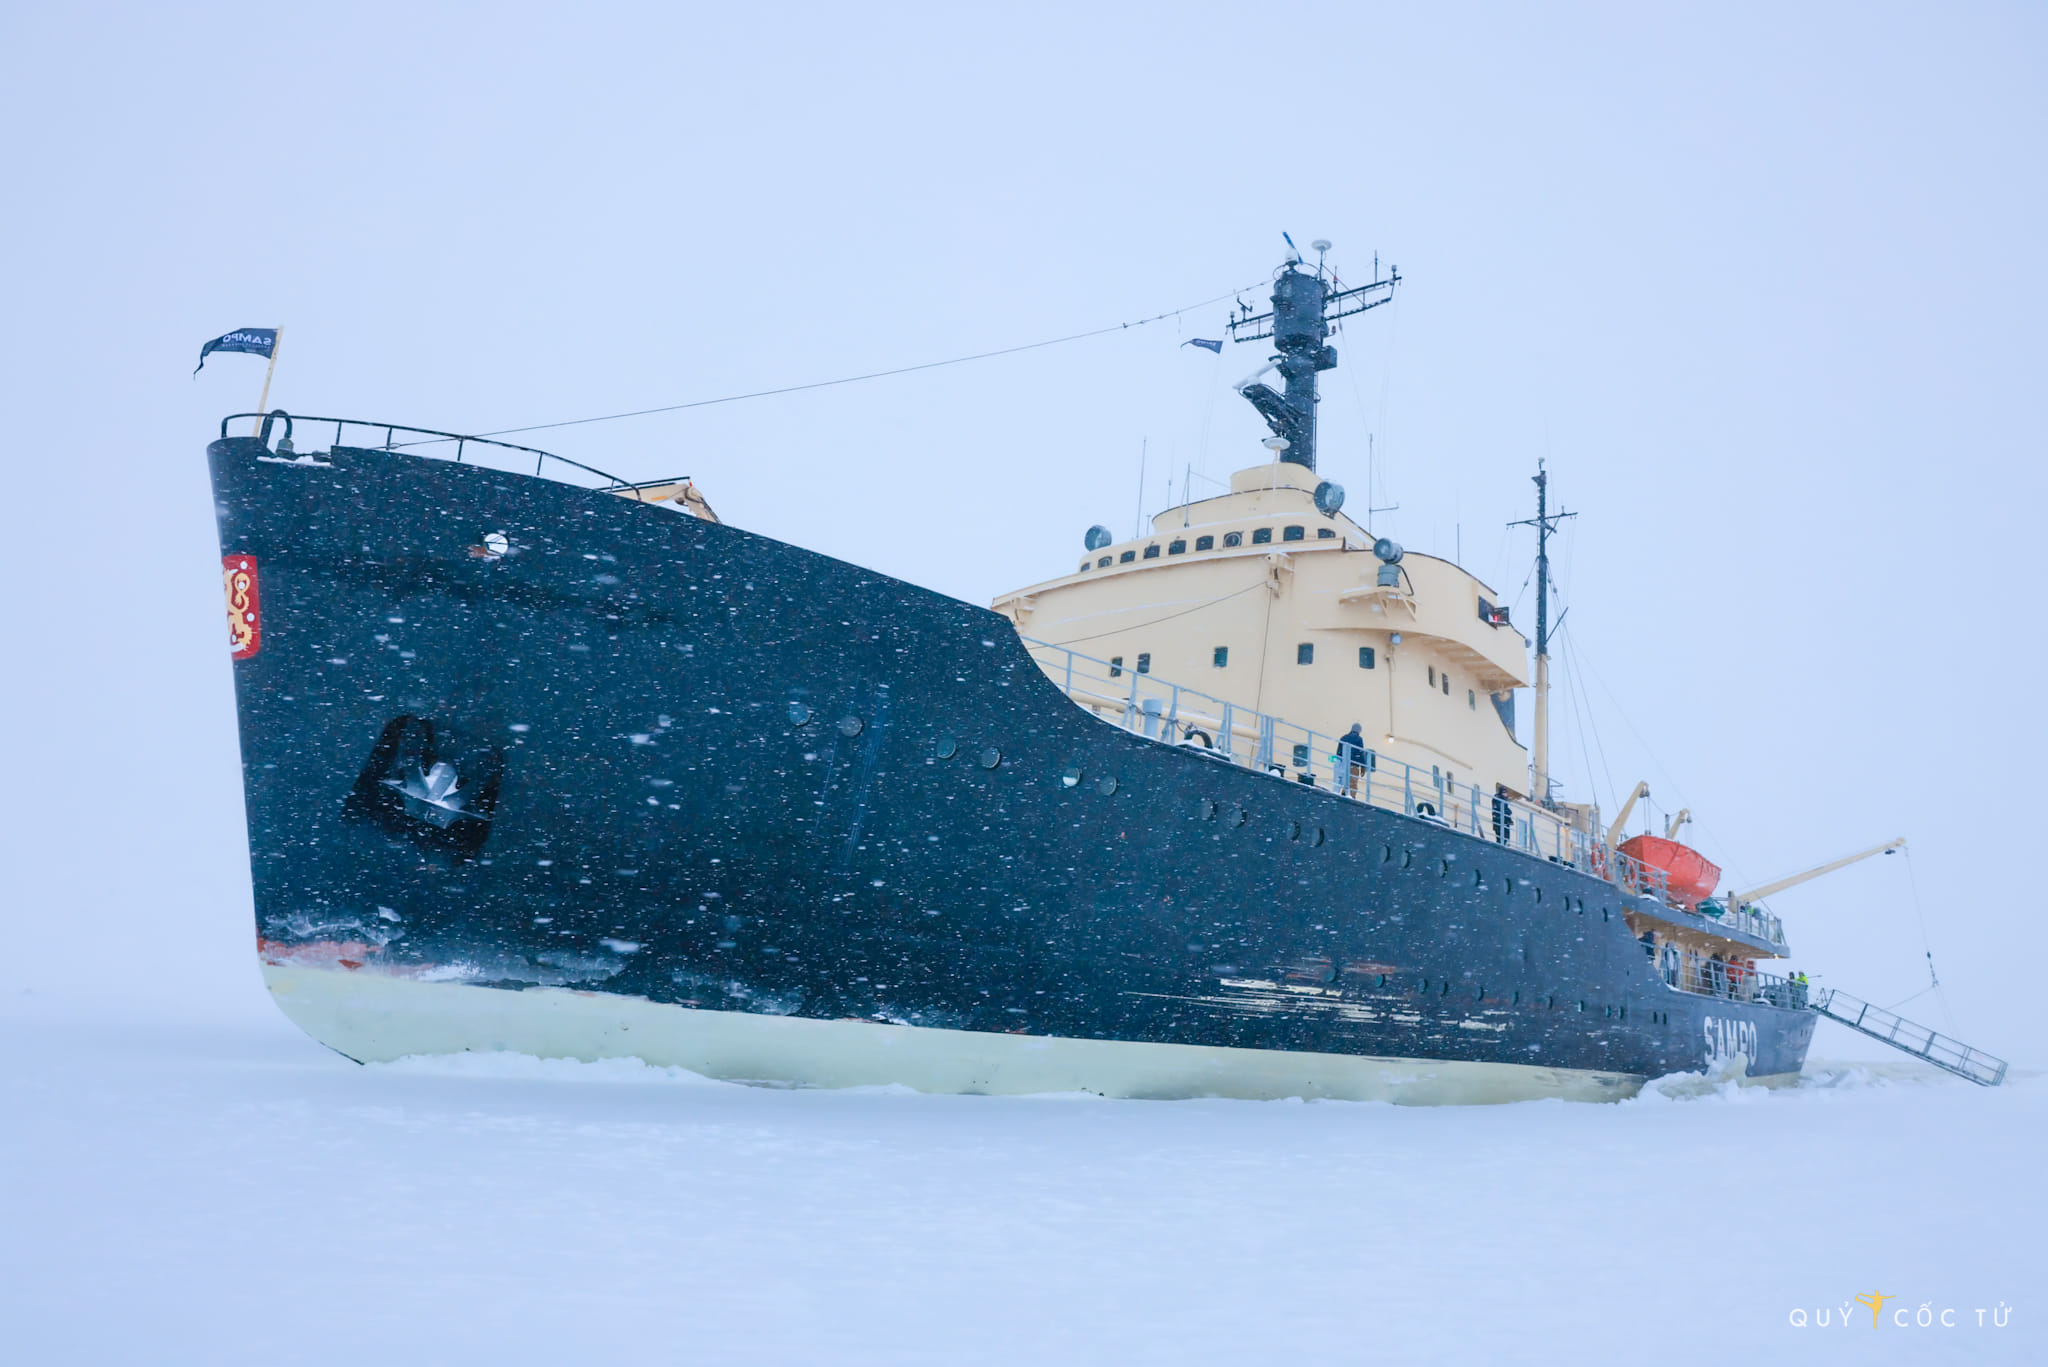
(1176,547)
(1305,653)
(1365,657)
(1205,543)
(1084,567)
(1116,666)
(1233,539)
(1261,535)
(1152,551)
(1472,699)
(1325,534)
(1432,668)
(1447,683)
(1144,662)
(1221,657)
(1294,533)
(1103,563)
(1127,557)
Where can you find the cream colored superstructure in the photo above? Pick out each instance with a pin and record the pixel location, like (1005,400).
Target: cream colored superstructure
(1205,581)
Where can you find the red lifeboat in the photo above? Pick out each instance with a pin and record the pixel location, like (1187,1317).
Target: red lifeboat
(1689,876)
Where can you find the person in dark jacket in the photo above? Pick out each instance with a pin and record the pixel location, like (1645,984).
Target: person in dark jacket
(1351,758)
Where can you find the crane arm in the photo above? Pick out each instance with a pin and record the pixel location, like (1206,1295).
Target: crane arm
(1737,899)
(1642,790)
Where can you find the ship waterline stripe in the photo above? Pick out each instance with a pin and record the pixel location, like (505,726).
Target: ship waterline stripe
(373,1017)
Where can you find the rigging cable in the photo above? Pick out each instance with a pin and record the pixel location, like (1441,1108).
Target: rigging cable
(1933,979)
(1737,879)
(1572,671)
(855,379)
(1116,631)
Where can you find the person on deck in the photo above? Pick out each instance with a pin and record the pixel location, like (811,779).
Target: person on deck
(1503,814)
(1351,758)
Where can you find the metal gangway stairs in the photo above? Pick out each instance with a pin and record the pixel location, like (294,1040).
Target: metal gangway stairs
(1949,1055)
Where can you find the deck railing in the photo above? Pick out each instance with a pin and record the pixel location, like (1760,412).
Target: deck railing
(1690,971)
(1125,691)
(425,441)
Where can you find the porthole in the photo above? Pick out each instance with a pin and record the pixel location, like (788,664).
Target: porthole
(1478,878)
(1539,895)
(1207,808)
(1106,785)
(1071,778)
(1321,836)
(851,726)
(799,715)
(990,757)
(1386,854)
(1407,859)
(1444,869)
(1233,539)
(1239,816)
(945,747)
(1294,830)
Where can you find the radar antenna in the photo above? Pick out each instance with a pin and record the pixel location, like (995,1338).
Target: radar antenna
(1304,305)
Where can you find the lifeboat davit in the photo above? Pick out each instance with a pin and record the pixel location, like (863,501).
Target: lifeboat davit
(1690,877)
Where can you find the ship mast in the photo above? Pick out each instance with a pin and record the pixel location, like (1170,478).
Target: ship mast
(1545,523)
(1304,306)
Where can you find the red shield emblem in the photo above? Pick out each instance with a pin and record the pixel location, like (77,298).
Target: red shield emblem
(245,617)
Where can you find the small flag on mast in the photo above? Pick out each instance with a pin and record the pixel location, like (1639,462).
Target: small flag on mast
(1204,342)
(255,341)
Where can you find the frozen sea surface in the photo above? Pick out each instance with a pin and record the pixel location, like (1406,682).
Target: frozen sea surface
(236,1194)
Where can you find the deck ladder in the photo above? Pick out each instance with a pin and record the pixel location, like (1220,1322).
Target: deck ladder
(1949,1055)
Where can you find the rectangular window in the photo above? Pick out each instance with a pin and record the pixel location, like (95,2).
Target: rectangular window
(1485,611)
(1222,657)
(1103,563)
(1365,657)
(1144,662)
(1152,552)
(1432,676)
(1116,666)
(1447,683)
(1305,653)
(1325,534)
(1084,567)
(1261,535)
(1176,547)
(1127,557)
(1472,698)
(1205,543)
(1293,533)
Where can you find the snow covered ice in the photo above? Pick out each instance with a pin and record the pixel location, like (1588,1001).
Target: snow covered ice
(231,1192)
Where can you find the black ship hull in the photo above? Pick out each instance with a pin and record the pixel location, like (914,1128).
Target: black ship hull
(538,767)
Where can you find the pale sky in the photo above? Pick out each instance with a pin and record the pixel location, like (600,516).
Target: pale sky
(1762,283)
